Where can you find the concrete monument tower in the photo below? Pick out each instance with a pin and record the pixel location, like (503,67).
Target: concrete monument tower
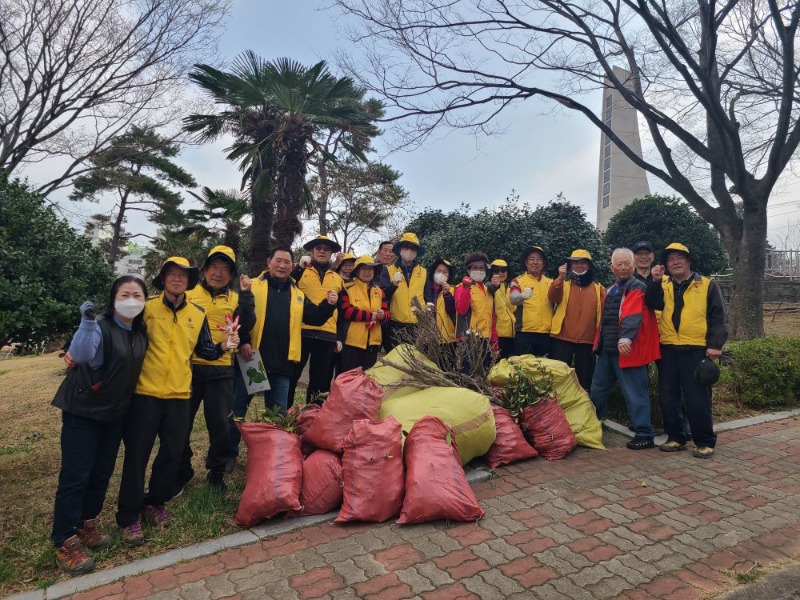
(620,180)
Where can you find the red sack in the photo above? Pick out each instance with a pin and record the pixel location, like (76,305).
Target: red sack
(274,473)
(510,444)
(547,429)
(372,467)
(322,483)
(436,485)
(353,396)
(304,421)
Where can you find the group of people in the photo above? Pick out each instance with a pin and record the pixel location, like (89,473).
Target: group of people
(142,369)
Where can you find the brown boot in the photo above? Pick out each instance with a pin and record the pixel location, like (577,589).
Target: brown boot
(72,559)
(91,538)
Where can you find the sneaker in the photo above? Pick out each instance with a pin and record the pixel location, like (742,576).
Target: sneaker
(641,443)
(157,515)
(215,481)
(91,538)
(230,465)
(72,558)
(672,446)
(703,452)
(132,534)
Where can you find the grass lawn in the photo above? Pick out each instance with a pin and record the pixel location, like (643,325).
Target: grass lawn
(30,458)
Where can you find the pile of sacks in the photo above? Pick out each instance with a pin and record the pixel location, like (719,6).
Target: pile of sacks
(380,446)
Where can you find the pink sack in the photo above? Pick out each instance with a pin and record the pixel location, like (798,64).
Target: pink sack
(304,421)
(372,466)
(353,396)
(274,473)
(322,483)
(436,485)
(510,444)
(547,429)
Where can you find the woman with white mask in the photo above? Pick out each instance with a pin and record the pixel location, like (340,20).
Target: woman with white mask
(405,288)
(439,298)
(474,303)
(105,357)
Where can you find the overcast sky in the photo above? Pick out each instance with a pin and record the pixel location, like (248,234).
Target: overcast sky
(544,150)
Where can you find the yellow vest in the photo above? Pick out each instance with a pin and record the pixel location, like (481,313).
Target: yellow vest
(693,316)
(171,337)
(561,309)
(504,312)
(481,308)
(358,335)
(535,315)
(217,308)
(260,289)
(447,327)
(315,291)
(400,305)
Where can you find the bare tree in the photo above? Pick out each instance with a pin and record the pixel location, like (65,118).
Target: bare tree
(715,82)
(76,73)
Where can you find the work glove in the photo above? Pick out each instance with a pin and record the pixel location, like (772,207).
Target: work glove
(527,293)
(87,310)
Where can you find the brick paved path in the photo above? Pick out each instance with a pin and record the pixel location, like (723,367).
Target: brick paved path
(617,524)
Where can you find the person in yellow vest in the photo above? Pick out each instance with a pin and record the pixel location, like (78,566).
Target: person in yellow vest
(439,298)
(578,299)
(363,309)
(406,282)
(319,341)
(504,311)
(212,380)
(474,304)
(693,328)
(272,322)
(528,293)
(160,406)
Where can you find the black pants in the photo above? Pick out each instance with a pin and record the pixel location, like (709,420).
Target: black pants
(149,417)
(506,346)
(537,344)
(676,386)
(578,356)
(320,353)
(394,332)
(352,358)
(213,387)
(88,453)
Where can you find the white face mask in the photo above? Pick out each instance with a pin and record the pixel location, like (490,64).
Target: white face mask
(129,308)
(478,276)
(439,278)
(579,273)
(407,254)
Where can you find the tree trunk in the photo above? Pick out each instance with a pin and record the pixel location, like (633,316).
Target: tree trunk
(289,186)
(113,251)
(322,199)
(748,257)
(260,234)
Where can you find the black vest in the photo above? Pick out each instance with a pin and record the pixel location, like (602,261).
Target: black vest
(104,394)
(609,322)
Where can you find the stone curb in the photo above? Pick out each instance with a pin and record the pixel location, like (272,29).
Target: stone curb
(63,589)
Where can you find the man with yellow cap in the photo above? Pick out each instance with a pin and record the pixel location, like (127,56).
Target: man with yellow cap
(578,299)
(693,328)
(528,293)
(505,317)
(316,280)
(212,380)
(160,406)
(406,283)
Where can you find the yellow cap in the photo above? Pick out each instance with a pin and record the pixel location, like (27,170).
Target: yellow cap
(498,262)
(367,261)
(409,238)
(194,272)
(580,254)
(223,252)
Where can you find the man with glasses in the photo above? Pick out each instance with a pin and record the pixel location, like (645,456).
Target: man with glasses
(318,341)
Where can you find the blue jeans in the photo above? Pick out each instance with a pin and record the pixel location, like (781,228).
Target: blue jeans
(88,452)
(633,381)
(278,395)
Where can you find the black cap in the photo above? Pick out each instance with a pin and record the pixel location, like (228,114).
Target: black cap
(706,373)
(642,245)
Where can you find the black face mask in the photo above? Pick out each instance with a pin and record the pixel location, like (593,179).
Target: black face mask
(582,280)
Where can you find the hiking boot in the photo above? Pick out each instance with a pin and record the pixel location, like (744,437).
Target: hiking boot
(157,515)
(230,465)
(216,483)
(132,534)
(91,538)
(672,446)
(72,558)
(703,452)
(640,443)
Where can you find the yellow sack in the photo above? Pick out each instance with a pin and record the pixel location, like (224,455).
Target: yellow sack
(385,375)
(572,398)
(468,413)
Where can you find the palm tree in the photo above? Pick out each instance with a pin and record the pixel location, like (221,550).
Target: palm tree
(274,110)
(221,216)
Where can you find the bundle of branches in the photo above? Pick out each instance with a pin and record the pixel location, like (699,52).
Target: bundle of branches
(525,389)
(280,417)
(463,363)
